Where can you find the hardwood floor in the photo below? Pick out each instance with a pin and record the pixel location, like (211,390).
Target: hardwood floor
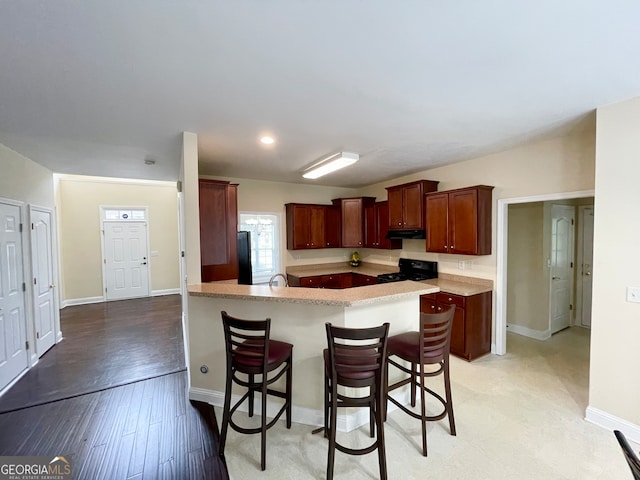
(140,429)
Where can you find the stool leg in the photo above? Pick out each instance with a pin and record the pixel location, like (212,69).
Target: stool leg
(413,384)
(423,411)
(380,401)
(447,391)
(332,432)
(263,427)
(251,394)
(225,412)
(289,388)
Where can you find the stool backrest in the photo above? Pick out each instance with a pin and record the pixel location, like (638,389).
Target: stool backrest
(435,334)
(357,353)
(629,454)
(248,339)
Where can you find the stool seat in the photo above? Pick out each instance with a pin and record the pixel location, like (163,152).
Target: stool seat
(247,357)
(348,360)
(407,346)
(261,362)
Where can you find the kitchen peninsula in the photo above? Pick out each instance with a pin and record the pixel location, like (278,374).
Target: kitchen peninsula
(298,316)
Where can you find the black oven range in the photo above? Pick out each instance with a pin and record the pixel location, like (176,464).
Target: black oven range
(410,269)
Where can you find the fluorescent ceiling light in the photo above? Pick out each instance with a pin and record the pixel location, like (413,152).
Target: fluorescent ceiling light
(331,164)
(267,140)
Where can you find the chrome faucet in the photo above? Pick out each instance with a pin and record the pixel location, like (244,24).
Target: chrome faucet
(286,282)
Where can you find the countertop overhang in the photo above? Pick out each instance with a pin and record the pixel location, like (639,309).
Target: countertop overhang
(348,297)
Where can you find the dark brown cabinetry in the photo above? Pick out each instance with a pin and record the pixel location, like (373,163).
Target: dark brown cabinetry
(352,216)
(376,226)
(305,226)
(218,230)
(471,334)
(406,204)
(332,227)
(335,280)
(459,221)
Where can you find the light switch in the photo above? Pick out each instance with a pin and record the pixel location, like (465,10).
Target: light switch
(633,294)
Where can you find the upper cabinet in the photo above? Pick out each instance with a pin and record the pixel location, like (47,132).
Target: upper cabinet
(406,204)
(352,216)
(376,226)
(218,230)
(459,221)
(332,224)
(305,226)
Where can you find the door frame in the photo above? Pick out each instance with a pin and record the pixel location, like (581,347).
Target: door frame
(103,220)
(502,216)
(55,269)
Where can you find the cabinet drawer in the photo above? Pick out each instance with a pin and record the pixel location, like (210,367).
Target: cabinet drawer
(444,298)
(311,281)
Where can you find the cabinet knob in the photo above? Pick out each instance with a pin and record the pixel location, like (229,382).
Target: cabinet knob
(451,247)
(450,299)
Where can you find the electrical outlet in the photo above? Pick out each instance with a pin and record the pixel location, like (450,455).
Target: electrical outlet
(633,294)
(462,264)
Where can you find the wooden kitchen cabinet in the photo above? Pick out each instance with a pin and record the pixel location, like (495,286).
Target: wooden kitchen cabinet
(376,226)
(471,331)
(218,230)
(406,204)
(352,219)
(334,280)
(459,221)
(305,226)
(332,230)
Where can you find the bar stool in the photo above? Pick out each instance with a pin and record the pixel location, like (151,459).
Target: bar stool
(355,358)
(429,346)
(251,352)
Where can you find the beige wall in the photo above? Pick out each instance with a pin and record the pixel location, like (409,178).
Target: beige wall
(615,356)
(24,180)
(528,286)
(80,231)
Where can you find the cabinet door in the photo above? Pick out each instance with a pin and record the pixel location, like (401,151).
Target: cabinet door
(436,206)
(458,330)
(428,303)
(352,223)
(396,206)
(463,214)
(332,227)
(412,207)
(316,226)
(370,227)
(311,282)
(299,229)
(382,221)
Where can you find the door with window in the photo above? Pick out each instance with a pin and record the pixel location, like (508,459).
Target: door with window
(561,287)
(126,260)
(265,244)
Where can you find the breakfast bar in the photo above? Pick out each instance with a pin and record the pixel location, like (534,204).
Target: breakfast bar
(298,316)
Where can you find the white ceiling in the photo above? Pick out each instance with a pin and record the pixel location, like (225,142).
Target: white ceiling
(95,87)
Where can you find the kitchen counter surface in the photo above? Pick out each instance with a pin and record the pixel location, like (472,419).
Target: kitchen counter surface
(369,294)
(462,288)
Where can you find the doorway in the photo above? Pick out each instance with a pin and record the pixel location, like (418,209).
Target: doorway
(502,257)
(561,262)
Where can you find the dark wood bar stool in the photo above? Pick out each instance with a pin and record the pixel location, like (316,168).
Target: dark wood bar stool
(429,346)
(355,358)
(251,352)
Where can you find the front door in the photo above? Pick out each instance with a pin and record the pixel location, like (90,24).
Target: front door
(43,279)
(13,333)
(126,260)
(561,290)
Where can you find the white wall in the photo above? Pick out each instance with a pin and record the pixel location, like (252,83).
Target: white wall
(615,357)
(25,180)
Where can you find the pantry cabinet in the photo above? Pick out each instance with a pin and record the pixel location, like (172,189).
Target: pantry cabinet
(459,221)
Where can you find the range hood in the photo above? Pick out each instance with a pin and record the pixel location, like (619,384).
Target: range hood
(411,234)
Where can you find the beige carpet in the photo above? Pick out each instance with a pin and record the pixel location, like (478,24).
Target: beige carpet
(519,416)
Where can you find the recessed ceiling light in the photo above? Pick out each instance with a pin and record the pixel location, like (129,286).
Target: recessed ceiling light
(267,140)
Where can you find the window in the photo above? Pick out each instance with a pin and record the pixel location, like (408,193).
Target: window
(124,213)
(265,244)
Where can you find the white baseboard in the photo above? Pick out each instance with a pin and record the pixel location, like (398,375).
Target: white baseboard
(168,291)
(81,301)
(529,332)
(611,422)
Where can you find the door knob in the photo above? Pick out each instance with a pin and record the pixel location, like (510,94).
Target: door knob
(555,278)
(588,273)
(143,263)
(53,285)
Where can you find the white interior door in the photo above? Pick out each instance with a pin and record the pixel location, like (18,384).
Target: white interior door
(561,289)
(13,333)
(42,259)
(126,260)
(586,277)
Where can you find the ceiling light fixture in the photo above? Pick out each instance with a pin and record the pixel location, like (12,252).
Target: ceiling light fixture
(330,164)
(267,140)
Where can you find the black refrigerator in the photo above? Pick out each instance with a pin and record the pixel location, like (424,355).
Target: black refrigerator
(244,258)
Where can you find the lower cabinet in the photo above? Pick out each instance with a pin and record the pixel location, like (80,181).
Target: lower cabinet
(471,334)
(336,280)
